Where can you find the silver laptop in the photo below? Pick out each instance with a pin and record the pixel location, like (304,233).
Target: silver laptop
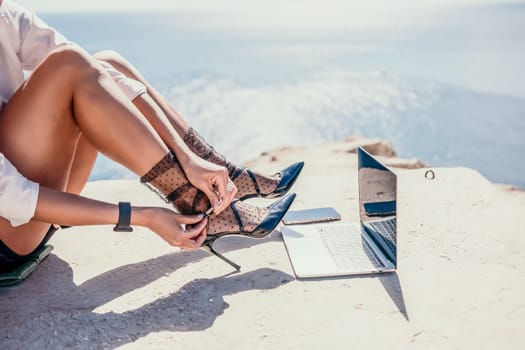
(370,246)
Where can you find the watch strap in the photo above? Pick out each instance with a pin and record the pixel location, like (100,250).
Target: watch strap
(124,218)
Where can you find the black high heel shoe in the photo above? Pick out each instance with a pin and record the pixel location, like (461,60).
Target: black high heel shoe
(250,183)
(276,211)
(288,176)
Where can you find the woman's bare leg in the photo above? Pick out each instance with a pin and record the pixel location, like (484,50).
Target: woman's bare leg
(41,125)
(180,125)
(83,163)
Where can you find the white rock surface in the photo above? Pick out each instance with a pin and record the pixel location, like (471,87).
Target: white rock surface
(460,282)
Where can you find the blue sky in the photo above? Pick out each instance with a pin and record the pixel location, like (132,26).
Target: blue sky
(489,31)
(377,6)
(298,16)
(474,43)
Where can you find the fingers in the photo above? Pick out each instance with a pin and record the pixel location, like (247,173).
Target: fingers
(199,239)
(194,230)
(230,190)
(213,197)
(225,190)
(213,180)
(189,219)
(195,235)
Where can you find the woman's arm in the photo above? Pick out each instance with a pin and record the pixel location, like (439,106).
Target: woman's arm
(70,209)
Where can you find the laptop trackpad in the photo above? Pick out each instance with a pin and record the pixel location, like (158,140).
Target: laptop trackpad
(307,251)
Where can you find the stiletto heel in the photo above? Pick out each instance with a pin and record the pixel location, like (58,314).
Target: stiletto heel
(274,215)
(208,243)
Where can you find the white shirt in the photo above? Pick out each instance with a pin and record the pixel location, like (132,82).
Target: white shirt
(18,195)
(25,40)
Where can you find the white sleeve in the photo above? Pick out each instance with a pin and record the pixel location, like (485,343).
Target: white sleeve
(130,87)
(18,195)
(38,40)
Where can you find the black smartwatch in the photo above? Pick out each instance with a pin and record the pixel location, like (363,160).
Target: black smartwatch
(124,218)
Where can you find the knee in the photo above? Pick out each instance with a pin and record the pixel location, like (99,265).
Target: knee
(111,57)
(119,63)
(73,61)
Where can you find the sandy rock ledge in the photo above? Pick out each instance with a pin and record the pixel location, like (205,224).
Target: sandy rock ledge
(460,282)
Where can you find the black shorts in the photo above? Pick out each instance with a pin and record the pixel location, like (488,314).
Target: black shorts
(10,260)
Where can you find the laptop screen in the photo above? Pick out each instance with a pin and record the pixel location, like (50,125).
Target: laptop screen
(377,203)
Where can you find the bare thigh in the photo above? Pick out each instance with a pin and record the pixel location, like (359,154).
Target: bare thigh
(39,136)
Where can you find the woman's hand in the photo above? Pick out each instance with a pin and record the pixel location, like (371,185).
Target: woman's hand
(184,231)
(211,179)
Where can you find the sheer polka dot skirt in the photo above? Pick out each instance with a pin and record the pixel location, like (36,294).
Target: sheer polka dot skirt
(249,183)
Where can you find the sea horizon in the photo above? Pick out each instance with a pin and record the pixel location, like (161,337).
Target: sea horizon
(441,90)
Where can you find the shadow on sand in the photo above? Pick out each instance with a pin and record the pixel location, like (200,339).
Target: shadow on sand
(56,313)
(392,285)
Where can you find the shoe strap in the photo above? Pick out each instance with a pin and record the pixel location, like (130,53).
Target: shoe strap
(238,171)
(237,216)
(178,192)
(196,200)
(254,180)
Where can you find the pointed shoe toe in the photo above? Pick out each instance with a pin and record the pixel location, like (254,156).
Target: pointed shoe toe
(277,211)
(288,178)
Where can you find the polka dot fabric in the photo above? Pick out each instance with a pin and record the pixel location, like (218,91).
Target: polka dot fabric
(226,221)
(244,182)
(168,180)
(201,148)
(246,186)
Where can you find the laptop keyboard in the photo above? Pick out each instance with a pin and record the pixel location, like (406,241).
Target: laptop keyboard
(387,228)
(348,248)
